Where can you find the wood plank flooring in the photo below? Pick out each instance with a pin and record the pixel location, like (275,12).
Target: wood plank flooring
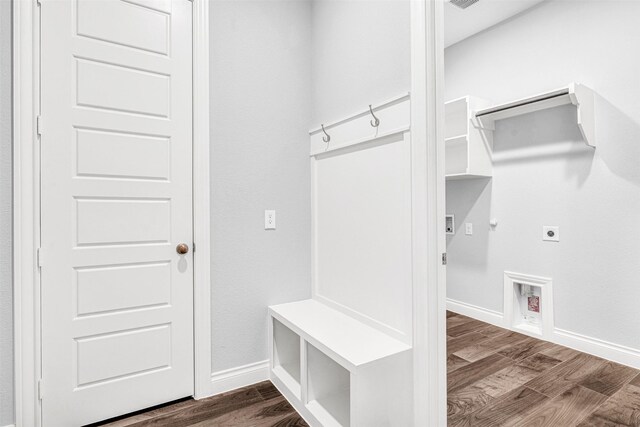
(501,378)
(260,405)
(495,378)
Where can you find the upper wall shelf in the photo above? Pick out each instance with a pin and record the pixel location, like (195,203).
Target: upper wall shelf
(576,94)
(467,149)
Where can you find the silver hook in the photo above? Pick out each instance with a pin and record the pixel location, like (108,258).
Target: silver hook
(375,122)
(325,138)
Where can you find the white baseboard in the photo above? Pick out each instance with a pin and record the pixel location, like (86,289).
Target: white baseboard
(597,347)
(231,379)
(594,346)
(479,313)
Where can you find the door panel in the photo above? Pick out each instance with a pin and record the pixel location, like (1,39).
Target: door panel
(116,168)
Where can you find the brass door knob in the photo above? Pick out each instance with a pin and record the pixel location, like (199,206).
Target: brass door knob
(182,248)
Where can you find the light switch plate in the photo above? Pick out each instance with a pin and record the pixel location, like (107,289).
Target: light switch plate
(468,228)
(550,233)
(269,220)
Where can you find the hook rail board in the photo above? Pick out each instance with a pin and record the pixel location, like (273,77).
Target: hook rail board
(375,121)
(577,94)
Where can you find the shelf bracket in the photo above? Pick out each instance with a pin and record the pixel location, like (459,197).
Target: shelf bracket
(476,122)
(583,98)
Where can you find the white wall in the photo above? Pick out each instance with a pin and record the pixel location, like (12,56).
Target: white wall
(6,295)
(544,175)
(260,97)
(361,55)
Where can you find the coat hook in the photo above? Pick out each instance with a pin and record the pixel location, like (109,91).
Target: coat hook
(325,138)
(375,122)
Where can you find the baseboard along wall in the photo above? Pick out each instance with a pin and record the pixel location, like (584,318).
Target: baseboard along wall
(242,376)
(590,345)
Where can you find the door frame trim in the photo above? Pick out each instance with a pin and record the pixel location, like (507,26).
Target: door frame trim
(26,208)
(429,273)
(201,202)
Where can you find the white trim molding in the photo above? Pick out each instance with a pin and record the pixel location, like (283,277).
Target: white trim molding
(26,228)
(393,117)
(26,209)
(428,223)
(597,347)
(201,201)
(242,376)
(483,314)
(607,350)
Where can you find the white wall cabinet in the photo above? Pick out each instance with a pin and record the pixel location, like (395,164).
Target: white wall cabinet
(467,147)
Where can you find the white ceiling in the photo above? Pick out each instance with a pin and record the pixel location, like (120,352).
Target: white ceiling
(463,23)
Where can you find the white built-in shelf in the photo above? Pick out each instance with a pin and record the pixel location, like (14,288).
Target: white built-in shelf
(467,148)
(286,356)
(347,372)
(329,389)
(579,95)
(332,410)
(340,336)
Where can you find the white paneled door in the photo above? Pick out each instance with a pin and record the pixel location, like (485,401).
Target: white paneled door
(116,201)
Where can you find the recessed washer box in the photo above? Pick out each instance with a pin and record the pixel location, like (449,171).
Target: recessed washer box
(528,304)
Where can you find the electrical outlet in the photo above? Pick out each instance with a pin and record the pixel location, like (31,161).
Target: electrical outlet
(269,220)
(450,224)
(468,228)
(550,233)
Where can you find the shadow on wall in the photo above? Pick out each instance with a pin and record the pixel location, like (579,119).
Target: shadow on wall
(548,135)
(470,201)
(618,139)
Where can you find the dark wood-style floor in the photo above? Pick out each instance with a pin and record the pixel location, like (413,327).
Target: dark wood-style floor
(496,378)
(259,405)
(501,378)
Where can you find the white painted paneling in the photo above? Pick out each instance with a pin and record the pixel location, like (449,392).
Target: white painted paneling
(121,88)
(123,354)
(543,174)
(122,287)
(363,231)
(137,27)
(122,155)
(122,221)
